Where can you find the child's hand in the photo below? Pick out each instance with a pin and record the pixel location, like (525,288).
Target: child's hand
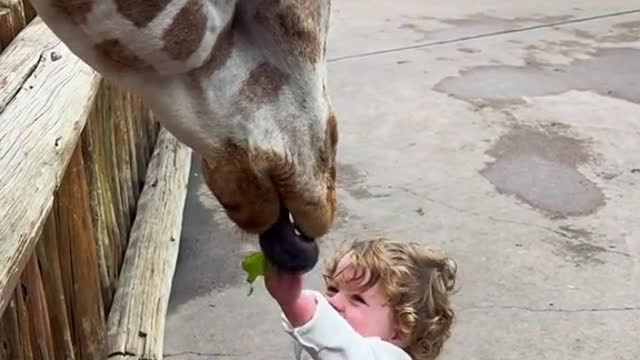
(284,288)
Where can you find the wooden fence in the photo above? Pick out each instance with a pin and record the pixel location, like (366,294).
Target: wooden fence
(76,156)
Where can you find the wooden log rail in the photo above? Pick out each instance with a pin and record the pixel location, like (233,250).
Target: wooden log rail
(14,16)
(87,246)
(136,321)
(45,101)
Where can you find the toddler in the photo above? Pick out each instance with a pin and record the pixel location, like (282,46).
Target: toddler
(384,300)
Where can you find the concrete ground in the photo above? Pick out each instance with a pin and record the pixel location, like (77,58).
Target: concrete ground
(507,133)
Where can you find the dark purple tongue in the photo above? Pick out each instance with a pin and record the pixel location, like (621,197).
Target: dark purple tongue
(286,250)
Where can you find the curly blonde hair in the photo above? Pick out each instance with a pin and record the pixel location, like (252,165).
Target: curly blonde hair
(417,281)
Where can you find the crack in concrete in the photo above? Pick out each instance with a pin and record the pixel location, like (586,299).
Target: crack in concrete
(514,222)
(552,310)
(484,35)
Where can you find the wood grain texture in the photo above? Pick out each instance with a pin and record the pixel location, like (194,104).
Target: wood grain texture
(106,228)
(106,126)
(29,11)
(78,249)
(20,59)
(7,29)
(78,146)
(17,10)
(39,129)
(14,20)
(36,303)
(11,21)
(49,259)
(23,325)
(10,333)
(102,144)
(137,319)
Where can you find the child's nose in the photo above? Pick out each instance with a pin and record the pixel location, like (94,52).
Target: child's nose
(337,302)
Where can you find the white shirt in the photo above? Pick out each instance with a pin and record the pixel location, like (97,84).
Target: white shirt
(328,336)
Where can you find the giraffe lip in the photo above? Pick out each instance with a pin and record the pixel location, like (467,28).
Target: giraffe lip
(287,247)
(298,232)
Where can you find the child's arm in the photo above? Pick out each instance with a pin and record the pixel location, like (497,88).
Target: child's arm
(286,289)
(319,329)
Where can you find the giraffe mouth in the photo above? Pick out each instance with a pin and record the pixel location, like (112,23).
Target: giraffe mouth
(288,248)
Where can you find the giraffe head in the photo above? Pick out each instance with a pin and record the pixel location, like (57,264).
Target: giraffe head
(243,83)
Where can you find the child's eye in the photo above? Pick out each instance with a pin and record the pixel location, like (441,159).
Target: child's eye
(359,299)
(332,289)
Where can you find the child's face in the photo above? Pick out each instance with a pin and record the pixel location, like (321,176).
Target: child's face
(364,309)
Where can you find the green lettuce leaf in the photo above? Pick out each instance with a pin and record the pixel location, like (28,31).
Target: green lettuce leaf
(254,265)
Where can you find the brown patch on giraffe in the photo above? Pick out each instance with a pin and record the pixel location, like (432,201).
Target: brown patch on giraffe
(115,51)
(249,199)
(332,130)
(141,13)
(263,84)
(220,53)
(76,10)
(187,30)
(295,23)
(316,212)
(329,156)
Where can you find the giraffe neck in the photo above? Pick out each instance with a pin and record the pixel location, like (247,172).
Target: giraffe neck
(167,37)
(242,82)
(212,70)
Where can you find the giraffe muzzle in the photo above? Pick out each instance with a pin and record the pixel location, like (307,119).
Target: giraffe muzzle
(287,248)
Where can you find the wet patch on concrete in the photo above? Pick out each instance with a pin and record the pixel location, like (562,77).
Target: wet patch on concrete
(631,26)
(344,217)
(352,179)
(484,19)
(539,167)
(568,48)
(419,29)
(468,50)
(474,24)
(210,251)
(576,233)
(583,34)
(577,247)
(608,72)
(623,32)
(581,253)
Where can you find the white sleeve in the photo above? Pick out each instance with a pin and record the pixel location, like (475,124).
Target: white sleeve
(328,336)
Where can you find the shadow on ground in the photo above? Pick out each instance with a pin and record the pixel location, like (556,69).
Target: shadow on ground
(210,249)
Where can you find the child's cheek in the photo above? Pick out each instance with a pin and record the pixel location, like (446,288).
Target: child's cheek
(359,322)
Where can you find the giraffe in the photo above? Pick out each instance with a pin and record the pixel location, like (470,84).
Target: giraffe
(241,82)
